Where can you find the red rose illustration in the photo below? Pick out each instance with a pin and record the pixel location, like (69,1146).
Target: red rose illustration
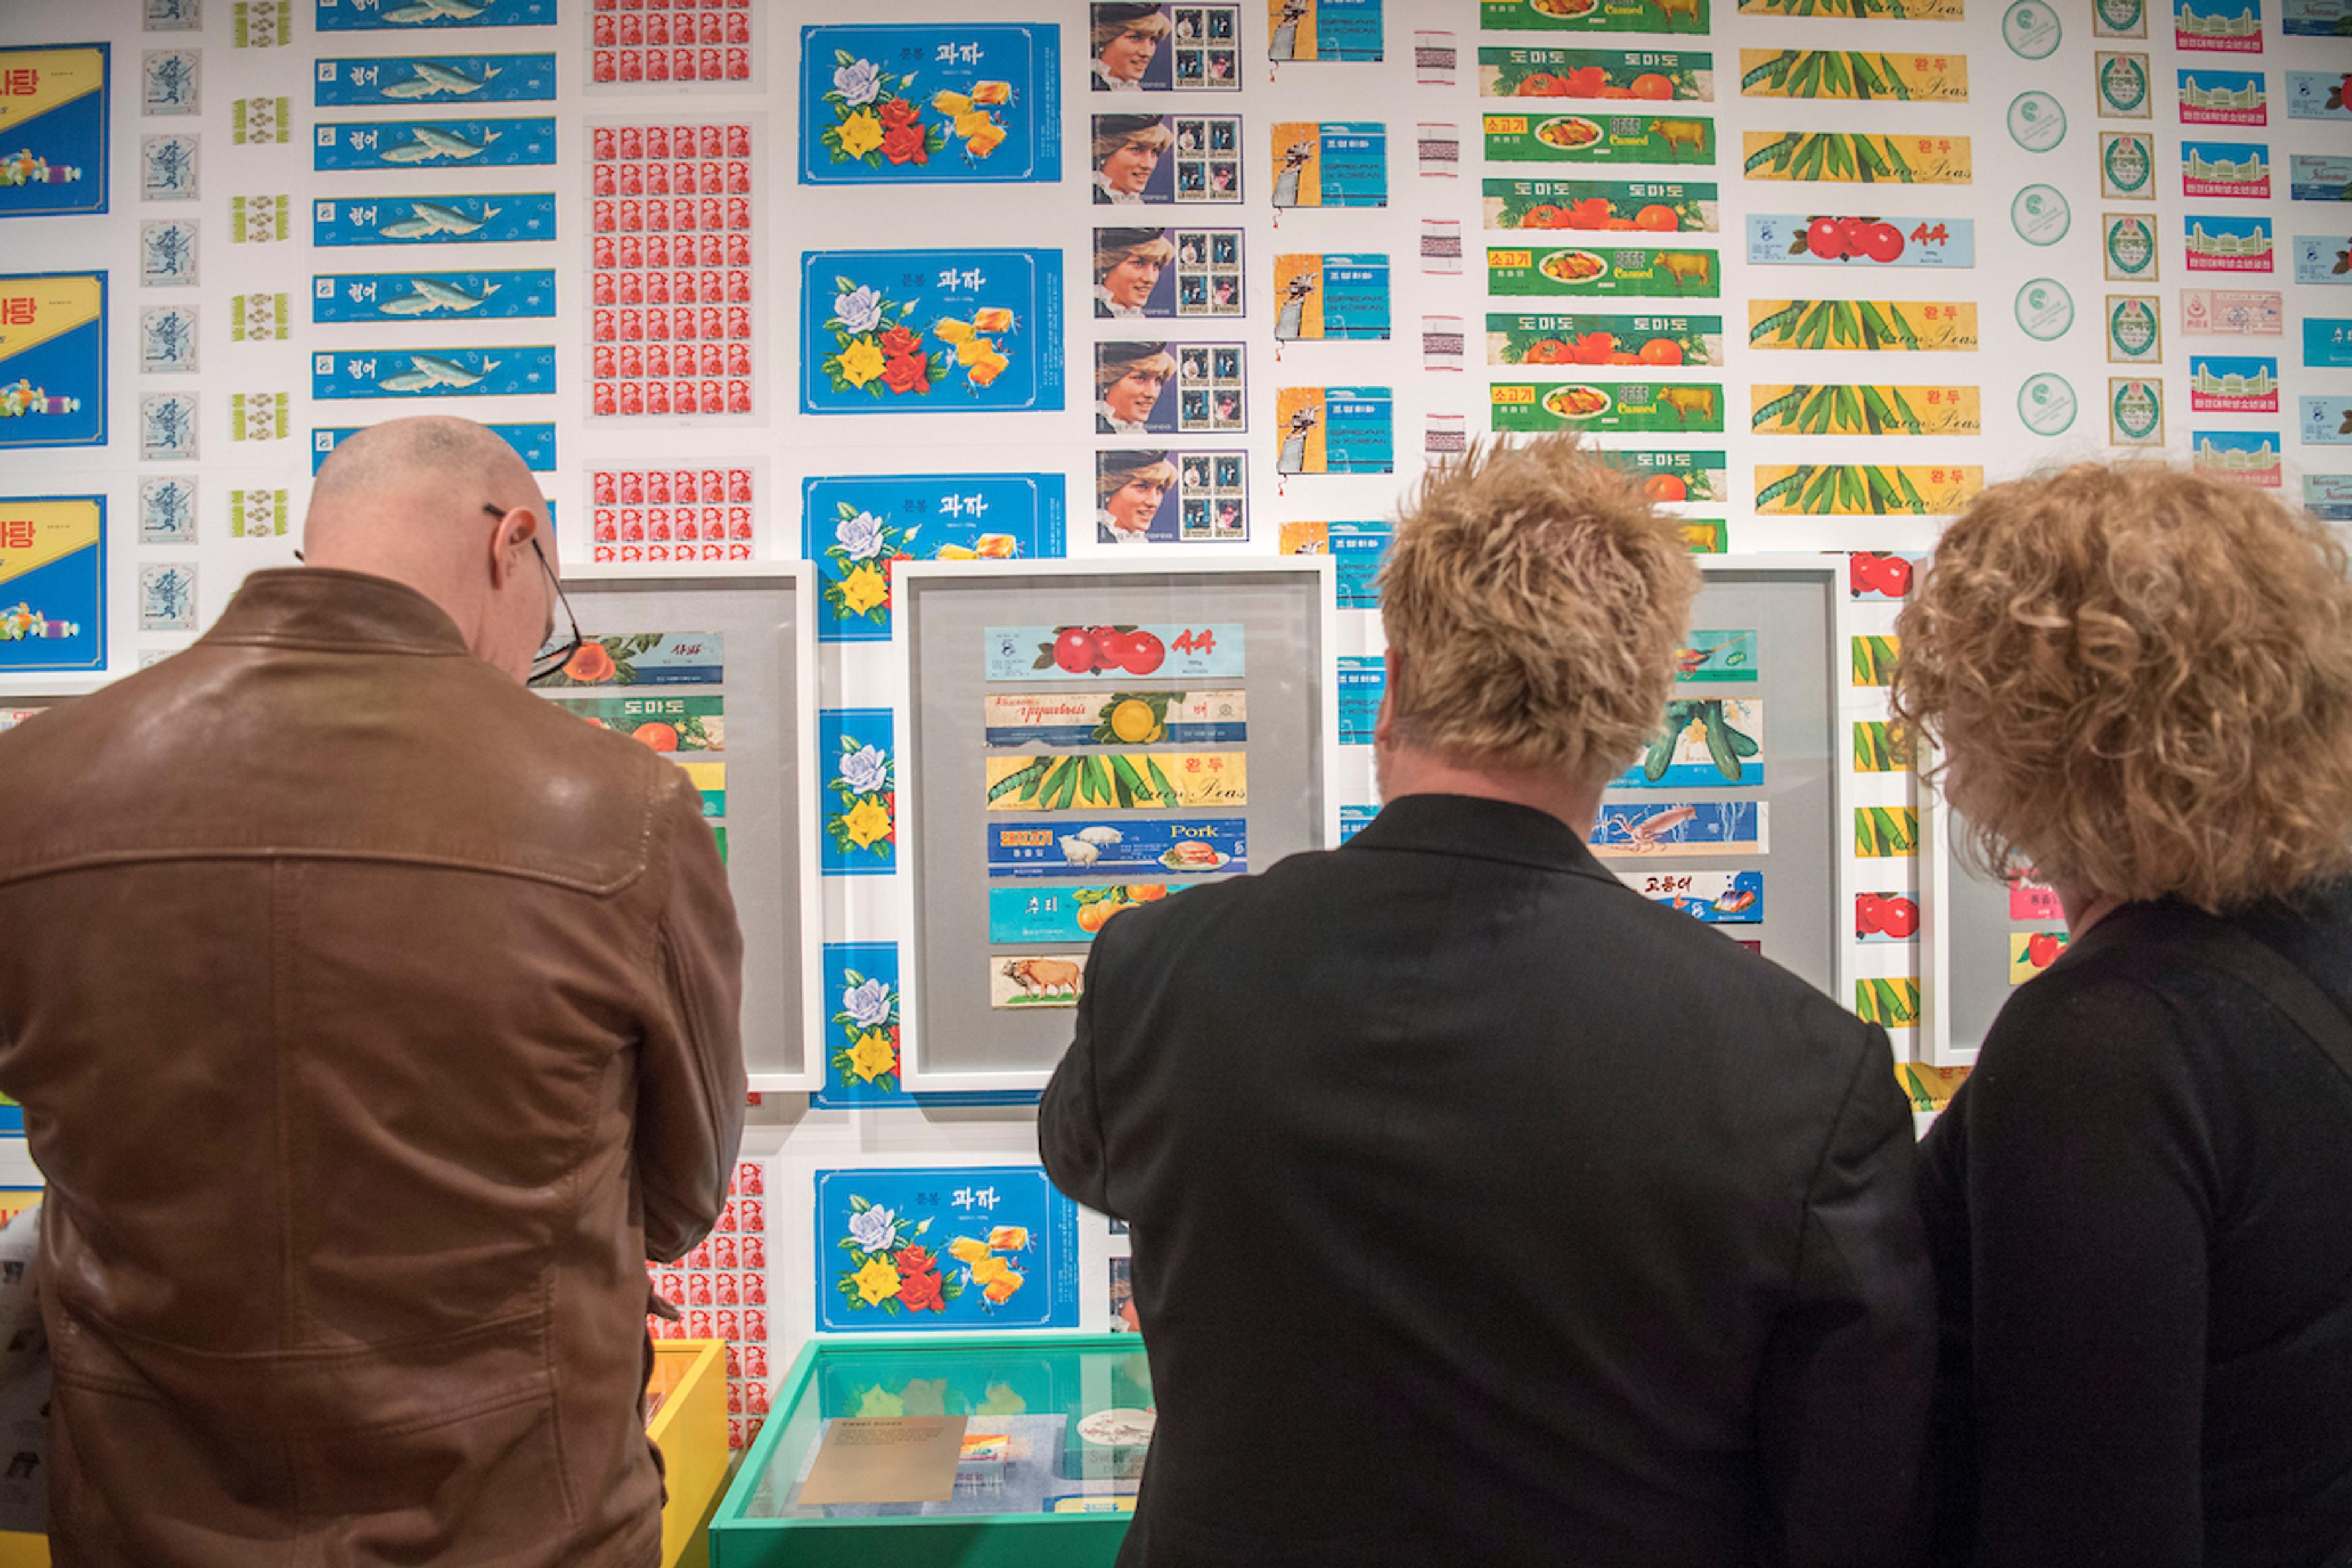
(898,341)
(912,1260)
(909,373)
(895,111)
(904,144)
(921,1293)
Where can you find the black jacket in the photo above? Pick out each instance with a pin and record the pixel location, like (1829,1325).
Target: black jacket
(2141,1205)
(1485,1212)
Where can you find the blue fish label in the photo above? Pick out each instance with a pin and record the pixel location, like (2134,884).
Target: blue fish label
(1784,238)
(436,372)
(411,16)
(337,297)
(433,143)
(433,78)
(1206,651)
(53,131)
(1177,846)
(1718,897)
(534,444)
(974,104)
(506,219)
(2327,344)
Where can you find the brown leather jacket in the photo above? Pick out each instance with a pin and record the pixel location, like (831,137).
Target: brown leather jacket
(373,1021)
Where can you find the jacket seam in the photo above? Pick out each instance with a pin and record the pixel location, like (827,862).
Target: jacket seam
(555,1395)
(72,862)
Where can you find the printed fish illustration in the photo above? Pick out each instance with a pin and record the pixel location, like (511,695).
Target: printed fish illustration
(430,294)
(431,78)
(433,143)
(431,218)
(431,10)
(433,371)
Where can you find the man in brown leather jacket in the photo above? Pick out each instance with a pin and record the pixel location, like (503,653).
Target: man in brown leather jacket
(373,1020)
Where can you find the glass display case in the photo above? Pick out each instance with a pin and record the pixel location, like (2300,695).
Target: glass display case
(1076,739)
(1984,936)
(1054,1432)
(1732,815)
(714,667)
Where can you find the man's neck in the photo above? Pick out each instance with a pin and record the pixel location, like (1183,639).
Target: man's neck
(1407,771)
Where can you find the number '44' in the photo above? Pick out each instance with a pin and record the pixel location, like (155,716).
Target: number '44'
(1201,642)
(1923,235)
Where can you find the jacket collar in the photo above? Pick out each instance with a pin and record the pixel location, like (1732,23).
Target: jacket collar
(320,607)
(1482,830)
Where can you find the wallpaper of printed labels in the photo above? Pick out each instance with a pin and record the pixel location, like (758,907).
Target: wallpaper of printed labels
(1137,281)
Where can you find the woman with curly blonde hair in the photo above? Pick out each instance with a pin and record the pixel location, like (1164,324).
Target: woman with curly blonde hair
(2138,682)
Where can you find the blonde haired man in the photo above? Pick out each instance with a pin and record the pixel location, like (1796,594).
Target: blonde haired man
(1483,1211)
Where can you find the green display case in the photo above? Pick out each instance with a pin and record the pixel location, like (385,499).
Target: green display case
(1060,1498)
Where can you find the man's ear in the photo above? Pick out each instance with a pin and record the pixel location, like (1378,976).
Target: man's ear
(509,537)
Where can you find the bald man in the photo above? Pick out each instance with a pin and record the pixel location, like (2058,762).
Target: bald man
(374,1021)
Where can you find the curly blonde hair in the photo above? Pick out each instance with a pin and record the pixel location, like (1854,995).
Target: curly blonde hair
(1534,602)
(2140,679)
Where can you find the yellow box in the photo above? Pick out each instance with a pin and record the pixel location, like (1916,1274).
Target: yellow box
(687,1397)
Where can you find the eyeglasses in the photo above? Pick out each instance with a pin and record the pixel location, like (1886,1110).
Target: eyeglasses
(557,652)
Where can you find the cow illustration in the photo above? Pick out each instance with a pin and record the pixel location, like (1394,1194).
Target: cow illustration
(1044,976)
(1681,134)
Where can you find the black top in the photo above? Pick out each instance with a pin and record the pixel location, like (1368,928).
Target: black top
(2141,1206)
(1485,1212)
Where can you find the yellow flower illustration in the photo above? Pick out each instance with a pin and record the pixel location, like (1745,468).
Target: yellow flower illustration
(873,1056)
(861,362)
(877,1281)
(1009,1237)
(864,588)
(880,1401)
(867,821)
(964,1250)
(861,134)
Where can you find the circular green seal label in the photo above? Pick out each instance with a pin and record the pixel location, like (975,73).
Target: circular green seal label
(2131,329)
(2040,214)
(2030,29)
(2036,123)
(2123,85)
(2046,404)
(2127,164)
(2044,309)
(2135,411)
(2123,18)
(2131,245)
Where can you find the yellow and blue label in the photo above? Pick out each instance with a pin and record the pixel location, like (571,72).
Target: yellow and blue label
(53,360)
(53,131)
(52,583)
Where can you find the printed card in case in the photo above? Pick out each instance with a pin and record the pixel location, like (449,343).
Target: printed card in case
(394,79)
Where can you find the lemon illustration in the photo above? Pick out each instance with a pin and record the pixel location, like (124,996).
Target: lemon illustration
(1132,721)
